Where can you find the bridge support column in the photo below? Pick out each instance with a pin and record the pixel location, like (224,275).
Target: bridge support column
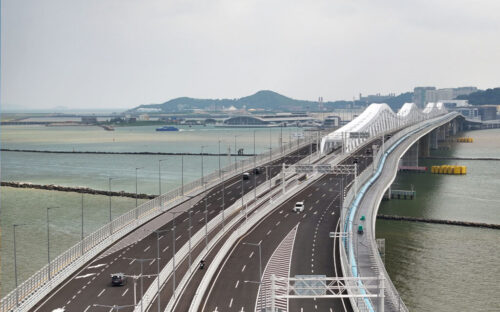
(424,146)
(434,139)
(410,158)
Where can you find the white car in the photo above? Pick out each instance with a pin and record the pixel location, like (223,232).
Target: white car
(299,207)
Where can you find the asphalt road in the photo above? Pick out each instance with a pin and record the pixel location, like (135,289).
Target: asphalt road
(313,250)
(92,284)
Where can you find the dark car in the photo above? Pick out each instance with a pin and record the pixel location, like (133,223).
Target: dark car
(118,279)
(256,170)
(246,176)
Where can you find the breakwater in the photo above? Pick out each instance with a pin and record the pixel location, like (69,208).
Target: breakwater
(437,221)
(75,189)
(121,153)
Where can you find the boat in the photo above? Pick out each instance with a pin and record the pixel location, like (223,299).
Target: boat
(167,128)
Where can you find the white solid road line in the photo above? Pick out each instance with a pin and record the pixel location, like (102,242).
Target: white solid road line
(101,292)
(96,266)
(86,275)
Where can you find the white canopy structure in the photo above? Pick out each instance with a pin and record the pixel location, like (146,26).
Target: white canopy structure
(375,120)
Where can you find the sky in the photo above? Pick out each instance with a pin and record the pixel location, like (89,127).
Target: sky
(122,53)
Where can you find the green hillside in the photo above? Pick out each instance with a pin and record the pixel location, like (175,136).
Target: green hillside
(488,96)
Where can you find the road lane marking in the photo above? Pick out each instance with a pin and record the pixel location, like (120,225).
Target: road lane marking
(237,283)
(165,249)
(147,248)
(243,268)
(251,254)
(86,309)
(152,262)
(317,201)
(126,290)
(268,233)
(231,302)
(178,237)
(309,195)
(84,276)
(96,266)
(101,292)
(278,223)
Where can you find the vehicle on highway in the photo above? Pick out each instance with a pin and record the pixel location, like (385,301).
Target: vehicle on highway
(256,170)
(118,279)
(246,176)
(299,207)
(360,229)
(356,160)
(202,264)
(59,310)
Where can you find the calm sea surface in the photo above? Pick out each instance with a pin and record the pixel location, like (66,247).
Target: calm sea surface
(441,267)
(29,206)
(435,267)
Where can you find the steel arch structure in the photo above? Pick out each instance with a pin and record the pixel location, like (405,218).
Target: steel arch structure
(375,120)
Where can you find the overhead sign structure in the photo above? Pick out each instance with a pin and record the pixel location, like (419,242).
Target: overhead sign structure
(324,168)
(359,135)
(304,168)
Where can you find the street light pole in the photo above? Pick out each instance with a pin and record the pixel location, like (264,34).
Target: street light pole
(206,225)
(260,265)
(48,240)
(109,195)
(173,249)
(81,240)
(202,179)
(255,166)
(219,159)
(159,176)
(137,168)
(15,261)
(235,162)
(158,264)
(141,261)
(182,174)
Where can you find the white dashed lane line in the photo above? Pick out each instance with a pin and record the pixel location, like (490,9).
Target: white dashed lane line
(101,292)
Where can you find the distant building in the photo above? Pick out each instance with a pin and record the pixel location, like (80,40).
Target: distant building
(419,96)
(144,117)
(488,112)
(331,122)
(376,98)
(424,95)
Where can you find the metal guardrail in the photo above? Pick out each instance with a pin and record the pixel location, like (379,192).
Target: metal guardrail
(391,292)
(28,293)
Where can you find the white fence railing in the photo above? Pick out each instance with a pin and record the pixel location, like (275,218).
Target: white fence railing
(27,294)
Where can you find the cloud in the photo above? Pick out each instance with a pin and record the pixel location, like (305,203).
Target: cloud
(122,53)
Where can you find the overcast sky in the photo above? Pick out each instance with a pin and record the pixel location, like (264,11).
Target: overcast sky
(122,53)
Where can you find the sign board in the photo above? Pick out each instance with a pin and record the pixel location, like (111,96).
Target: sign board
(359,135)
(324,168)
(304,168)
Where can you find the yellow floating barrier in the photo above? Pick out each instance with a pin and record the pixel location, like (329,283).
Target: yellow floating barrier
(465,140)
(449,169)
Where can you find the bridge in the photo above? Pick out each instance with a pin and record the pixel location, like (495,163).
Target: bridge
(259,254)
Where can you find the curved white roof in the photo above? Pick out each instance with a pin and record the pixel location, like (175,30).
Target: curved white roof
(378,118)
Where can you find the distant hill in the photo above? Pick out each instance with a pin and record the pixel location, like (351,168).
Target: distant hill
(488,96)
(265,99)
